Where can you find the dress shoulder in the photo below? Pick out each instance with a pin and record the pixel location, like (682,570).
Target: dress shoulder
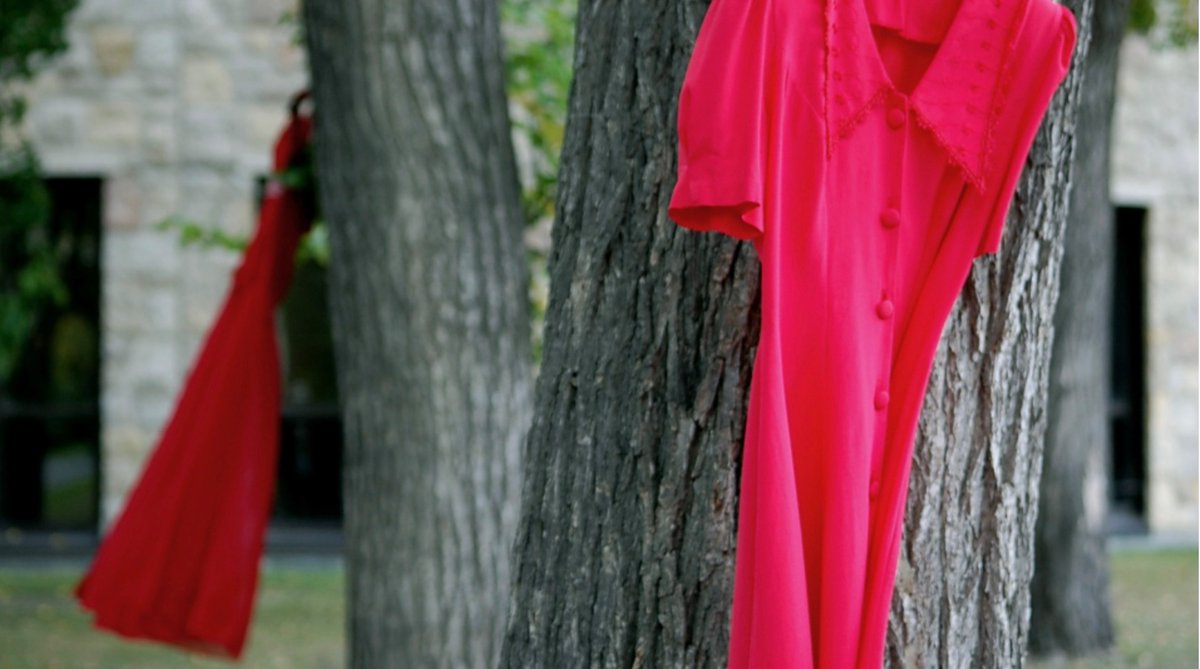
(1040,57)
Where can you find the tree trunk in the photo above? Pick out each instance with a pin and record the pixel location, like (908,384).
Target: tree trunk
(962,586)
(429,299)
(1071,612)
(625,552)
(626,545)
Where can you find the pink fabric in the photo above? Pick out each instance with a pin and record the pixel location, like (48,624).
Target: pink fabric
(869,150)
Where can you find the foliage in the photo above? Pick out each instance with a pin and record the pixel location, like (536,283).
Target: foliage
(31,32)
(29,268)
(192,233)
(539,38)
(540,35)
(1172,21)
(314,246)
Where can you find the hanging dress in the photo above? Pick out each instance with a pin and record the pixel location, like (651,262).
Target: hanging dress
(869,150)
(179,565)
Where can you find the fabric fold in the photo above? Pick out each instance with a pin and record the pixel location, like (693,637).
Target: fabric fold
(180,563)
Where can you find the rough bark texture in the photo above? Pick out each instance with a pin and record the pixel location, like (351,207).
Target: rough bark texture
(962,587)
(1070,608)
(428,291)
(624,556)
(625,552)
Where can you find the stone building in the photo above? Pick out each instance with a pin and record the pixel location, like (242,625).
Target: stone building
(1155,181)
(169,108)
(173,106)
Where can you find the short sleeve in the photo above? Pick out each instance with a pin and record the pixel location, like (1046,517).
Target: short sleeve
(722,123)
(1028,100)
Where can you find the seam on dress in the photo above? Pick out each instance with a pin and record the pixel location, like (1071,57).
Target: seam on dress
(825,85)
(846,126)
(1004,85)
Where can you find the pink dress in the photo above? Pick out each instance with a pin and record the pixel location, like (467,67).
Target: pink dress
(869,150)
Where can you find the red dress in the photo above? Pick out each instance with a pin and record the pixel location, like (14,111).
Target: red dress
(180,563)
(869,150)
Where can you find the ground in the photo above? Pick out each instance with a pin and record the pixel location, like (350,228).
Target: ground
(1155,609)
(298,624)
(299,620)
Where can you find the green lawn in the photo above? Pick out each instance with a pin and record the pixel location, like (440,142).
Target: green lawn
(1155,611)
(299,624)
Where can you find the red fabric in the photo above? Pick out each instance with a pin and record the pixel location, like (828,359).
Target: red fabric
(869,150)
(180,563)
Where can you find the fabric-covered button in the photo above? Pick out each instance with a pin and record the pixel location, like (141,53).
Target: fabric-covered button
(890,218)
(895,117)
(881,399)
(884,309)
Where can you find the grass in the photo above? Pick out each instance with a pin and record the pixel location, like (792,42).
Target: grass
(299,621)
(1154,610)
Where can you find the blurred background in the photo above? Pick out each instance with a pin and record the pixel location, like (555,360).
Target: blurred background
(148,138)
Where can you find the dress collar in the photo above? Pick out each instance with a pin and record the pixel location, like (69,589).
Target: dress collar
(957,99)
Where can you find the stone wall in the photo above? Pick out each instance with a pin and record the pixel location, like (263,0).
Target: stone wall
(175,104)
(1155,166)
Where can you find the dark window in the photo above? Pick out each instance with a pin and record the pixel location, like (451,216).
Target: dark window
(310,448)
(49,411)
(1127,412)
(308,493)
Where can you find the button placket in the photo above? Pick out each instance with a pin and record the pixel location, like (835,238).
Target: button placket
(890,219)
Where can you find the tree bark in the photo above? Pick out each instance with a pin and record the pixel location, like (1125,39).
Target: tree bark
(626,544)
(1070,609)
(625,552)
(429,299)
(962,587)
